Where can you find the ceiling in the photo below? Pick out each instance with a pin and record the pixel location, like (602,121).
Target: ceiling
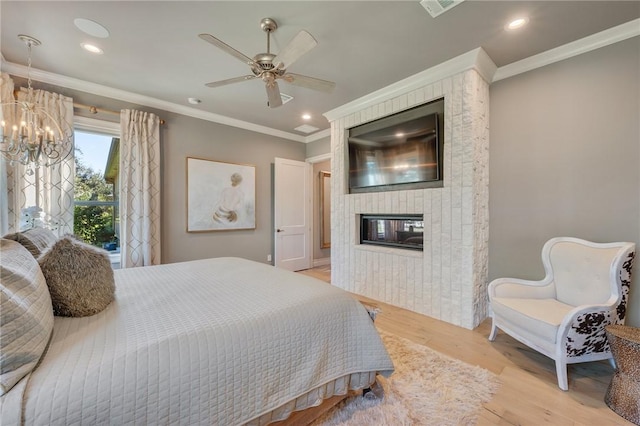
(153,48)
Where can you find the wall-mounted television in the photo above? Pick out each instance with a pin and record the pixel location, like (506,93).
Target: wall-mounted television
(397,152)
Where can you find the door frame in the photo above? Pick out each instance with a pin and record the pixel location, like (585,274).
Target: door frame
(312,160)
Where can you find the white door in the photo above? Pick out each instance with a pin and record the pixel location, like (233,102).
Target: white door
(292,212)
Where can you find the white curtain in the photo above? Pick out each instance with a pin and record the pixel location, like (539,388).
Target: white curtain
(49,188)
(6,211)
(139,188)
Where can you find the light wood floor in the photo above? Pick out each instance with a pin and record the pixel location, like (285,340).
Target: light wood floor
(529,394)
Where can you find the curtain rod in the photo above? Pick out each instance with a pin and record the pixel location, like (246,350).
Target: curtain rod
(94,110)
(90,108)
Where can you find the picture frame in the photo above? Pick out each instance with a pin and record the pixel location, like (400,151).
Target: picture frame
(221,196)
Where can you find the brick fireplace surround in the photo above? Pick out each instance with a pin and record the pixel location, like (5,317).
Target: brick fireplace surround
(448,280)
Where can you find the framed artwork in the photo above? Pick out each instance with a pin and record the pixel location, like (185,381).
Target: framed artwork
(220,196)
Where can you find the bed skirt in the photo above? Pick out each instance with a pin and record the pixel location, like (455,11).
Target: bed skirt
(313,398)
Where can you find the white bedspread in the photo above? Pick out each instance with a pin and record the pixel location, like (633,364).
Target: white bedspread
(217,342)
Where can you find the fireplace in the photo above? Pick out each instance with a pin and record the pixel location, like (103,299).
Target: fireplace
(392,230)
(447,279)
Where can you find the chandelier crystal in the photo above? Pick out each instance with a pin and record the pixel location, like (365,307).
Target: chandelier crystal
(29,135)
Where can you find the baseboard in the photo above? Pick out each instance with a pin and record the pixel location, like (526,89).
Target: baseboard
(321,262)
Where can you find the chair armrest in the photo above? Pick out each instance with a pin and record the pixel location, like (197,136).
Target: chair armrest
(526,289)
(582,331)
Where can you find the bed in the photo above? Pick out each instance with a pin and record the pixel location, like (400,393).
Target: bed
(222,341)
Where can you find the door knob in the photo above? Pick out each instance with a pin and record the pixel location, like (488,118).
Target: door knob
(279,230)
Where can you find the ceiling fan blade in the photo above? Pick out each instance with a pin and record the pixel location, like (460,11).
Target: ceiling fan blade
(309,82)
(273,94)
(230,80)
(301,44)
(224,46)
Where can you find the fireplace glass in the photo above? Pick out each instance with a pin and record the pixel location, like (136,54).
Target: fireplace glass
(402,231)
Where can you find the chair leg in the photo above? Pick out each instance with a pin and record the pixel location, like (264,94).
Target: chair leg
(494,330)
(561,372)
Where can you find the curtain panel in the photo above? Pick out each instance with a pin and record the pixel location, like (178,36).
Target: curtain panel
(49,188)
(6,209)
(139,188)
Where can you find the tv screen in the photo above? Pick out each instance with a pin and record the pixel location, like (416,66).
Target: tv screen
(402,151)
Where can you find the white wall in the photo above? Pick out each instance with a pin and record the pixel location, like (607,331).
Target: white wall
(565,159)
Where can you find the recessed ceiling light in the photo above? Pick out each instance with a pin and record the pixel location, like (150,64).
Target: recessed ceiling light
(306,116)
(90,27)
(517,23)
(91,48)
(399,135)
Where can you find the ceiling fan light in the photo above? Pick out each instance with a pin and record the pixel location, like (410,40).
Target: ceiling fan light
(270,68)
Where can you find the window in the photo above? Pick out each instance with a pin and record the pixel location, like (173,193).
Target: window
(96,207)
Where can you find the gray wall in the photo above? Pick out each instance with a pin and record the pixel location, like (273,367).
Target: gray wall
(184,136)
(318,251)
(189,137)
(564,159)
(319,147)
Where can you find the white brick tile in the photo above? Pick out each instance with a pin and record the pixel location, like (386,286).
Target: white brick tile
(440,283)
(403,102)
(419,94)
(411,99)
(437,89)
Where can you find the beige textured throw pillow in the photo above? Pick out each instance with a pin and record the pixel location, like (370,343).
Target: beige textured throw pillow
(79,277)
(36,240)
(26,322)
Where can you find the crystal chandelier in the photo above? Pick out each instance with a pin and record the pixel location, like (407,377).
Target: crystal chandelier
(29,135)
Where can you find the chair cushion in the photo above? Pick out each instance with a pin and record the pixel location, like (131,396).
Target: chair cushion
(79,276)
(541,317)
(27,316)
(36,240)
(581,273)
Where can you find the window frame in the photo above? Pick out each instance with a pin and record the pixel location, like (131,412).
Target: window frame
(101,127)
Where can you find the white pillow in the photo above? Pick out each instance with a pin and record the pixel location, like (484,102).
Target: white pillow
(26,322)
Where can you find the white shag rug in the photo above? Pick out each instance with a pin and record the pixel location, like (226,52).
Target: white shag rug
(427,388)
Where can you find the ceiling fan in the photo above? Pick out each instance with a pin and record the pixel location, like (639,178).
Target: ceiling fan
(270,67)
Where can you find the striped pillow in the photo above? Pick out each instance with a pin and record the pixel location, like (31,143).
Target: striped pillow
(36,240)
(26,322)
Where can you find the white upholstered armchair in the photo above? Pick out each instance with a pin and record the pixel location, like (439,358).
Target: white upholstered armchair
(563,316)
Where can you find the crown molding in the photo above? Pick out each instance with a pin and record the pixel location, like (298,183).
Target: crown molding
(109,92)
(475,59)
(318,135)
(319,158)
(569,50)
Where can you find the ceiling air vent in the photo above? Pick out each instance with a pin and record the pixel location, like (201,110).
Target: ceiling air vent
(437,7)
(285,98)
(305,128)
